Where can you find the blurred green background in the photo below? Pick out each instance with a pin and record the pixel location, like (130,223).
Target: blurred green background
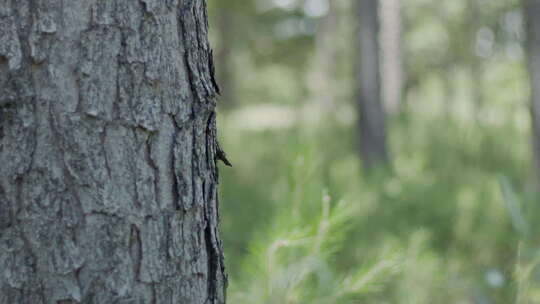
(451,218)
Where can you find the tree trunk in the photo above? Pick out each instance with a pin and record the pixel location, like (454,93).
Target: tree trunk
(372,118)
(532,11)
(392,65)
(108,180)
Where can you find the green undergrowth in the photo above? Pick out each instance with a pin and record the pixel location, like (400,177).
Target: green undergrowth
(302,223)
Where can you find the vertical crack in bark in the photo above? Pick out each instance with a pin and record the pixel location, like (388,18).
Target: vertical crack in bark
(175,177)
(115,115)
(103,140)
(211,145)
(77,274)
(169,266)
(135,248)
(133,169)
(214,255)
(212,267)
(194,167)
(153,165)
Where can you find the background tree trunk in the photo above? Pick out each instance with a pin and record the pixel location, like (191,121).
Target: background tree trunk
(108,181)
(372,118)
(532,11)
(391,49)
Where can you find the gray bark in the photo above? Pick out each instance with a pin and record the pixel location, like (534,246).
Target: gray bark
(532,11)
(108,180)
(372,117)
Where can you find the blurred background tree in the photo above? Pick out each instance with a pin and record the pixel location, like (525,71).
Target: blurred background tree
(391,55)
(371,118)
(453,221)
(532,14)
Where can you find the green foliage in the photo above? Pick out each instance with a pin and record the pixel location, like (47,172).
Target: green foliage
(291,258)
(302,225)
(453,221)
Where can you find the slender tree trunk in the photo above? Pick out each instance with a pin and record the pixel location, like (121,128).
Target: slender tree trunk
(372,118)
(108,180)
(532,11)
(391,49)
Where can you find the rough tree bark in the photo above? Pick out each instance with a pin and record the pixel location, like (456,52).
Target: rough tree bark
(372,117)
(532,11)
(108,180)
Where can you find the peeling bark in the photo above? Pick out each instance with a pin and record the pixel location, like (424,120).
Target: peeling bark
(108,176)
